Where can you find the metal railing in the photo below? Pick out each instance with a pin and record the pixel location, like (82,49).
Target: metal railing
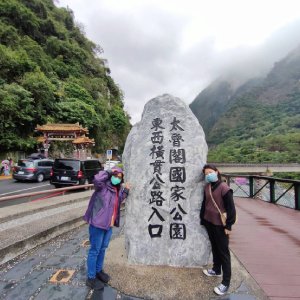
(263,164)
(50,193)
(279,191)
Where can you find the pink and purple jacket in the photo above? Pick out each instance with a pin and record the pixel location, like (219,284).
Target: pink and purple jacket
(101,206)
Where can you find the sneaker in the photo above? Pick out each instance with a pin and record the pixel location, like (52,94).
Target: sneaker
(103,277)
(94,284)
(221,289)
(211,272)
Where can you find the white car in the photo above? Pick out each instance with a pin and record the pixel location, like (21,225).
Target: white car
(110,164)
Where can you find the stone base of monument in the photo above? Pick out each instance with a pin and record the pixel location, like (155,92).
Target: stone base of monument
(165,282)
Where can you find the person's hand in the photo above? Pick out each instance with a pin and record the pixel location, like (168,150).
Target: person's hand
(227,232)
(127,185)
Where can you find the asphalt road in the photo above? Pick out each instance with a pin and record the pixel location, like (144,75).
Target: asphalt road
(10,187)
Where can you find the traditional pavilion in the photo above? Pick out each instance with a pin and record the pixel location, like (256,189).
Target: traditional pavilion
(66,132)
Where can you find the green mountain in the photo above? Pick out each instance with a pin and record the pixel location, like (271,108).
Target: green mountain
(50,72)
(260,122)
(211,103)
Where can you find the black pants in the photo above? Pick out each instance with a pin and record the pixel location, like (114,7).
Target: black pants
(220,250)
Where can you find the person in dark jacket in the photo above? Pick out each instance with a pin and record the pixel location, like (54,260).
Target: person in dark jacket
(218,233)
(102,214)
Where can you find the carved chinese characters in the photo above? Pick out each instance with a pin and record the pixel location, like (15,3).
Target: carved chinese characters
(163,158)
(177,175)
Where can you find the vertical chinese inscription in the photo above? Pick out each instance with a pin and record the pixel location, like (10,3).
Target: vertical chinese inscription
(177,177)
(156,220)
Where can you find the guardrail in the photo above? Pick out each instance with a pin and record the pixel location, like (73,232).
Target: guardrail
(279,191)
(256,164)
(55,192)
(257,168)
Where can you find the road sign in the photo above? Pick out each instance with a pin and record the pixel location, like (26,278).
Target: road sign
(109,154)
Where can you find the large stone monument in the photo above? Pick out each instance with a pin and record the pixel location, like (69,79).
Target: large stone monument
(163,158)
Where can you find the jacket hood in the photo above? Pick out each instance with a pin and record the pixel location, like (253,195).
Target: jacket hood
(118,169)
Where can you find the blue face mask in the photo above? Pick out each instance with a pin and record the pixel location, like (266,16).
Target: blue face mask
(115,180)
(211,177)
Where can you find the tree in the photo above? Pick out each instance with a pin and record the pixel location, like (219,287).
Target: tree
(42,91)
(47,63)
(16,117)
(74,110)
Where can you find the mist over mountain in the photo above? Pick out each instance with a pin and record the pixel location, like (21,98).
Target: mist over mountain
(240,64)
(258,121)
(211,103)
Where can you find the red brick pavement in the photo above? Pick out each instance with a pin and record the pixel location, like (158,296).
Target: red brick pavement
(266,240)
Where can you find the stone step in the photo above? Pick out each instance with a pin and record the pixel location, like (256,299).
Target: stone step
(15,211)
(24,226)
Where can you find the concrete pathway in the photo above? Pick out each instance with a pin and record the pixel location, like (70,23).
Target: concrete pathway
(57,270)
(267,242)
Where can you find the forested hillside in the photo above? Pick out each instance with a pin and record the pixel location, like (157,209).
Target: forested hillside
(260,122)
(211,103)
(50,72)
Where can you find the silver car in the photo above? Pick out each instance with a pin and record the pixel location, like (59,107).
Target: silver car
(32,169)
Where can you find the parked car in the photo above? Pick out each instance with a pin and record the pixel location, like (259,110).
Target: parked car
(67,172)
(32,169)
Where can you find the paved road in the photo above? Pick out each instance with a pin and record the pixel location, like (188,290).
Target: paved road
(10,187)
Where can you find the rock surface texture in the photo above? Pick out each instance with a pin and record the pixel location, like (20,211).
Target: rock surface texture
(163,158)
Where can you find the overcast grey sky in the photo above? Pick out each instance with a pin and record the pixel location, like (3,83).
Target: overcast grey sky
(179,47)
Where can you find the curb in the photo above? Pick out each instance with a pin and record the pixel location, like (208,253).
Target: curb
(2,177)
(20,247)
(12,251)
(37,226)
(40,209)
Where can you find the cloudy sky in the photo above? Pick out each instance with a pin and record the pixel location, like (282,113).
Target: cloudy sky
(179,47)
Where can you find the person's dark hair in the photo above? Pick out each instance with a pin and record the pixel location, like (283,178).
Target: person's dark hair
(213,167)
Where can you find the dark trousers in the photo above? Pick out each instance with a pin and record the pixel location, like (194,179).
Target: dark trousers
(220,250)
